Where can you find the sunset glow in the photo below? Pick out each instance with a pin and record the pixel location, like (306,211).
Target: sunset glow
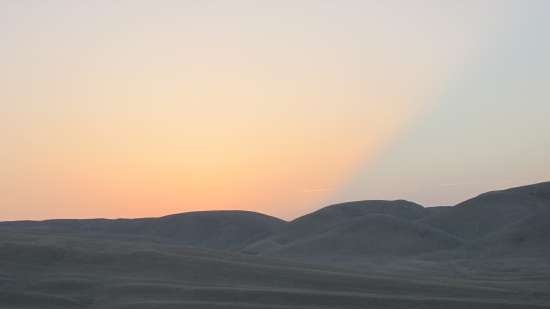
(131,109)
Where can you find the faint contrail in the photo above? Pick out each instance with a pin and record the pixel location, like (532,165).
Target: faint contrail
(317,190)
(455,184)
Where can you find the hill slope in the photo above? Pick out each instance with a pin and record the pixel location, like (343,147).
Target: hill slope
(367,236)
(493,212)
(508,221)
(512,221)
(206,229)
(362,228)
(491,251)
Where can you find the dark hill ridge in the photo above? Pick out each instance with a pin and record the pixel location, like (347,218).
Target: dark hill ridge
(207,229)
(500,222)
(508,221)
(339,213)
(354,228)
(492,251)
(493,212)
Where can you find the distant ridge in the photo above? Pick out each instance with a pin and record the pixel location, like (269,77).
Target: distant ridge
(493,211)
(513,221)
(356,228)
(225,229)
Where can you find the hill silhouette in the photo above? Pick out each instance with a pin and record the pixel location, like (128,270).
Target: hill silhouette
(492,251)
(492,212)
(512,220)
(357,228)
(205,229)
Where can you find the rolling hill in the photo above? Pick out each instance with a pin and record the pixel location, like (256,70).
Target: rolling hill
(492,251)
(206,229)
(512,221)
(357,229)
(508,221)
(493,212)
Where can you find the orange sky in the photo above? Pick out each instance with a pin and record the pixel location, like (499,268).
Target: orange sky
(146,108)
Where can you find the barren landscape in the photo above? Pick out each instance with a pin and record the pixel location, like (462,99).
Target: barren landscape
(371,254)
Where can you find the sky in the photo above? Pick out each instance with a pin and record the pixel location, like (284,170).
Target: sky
(147,108)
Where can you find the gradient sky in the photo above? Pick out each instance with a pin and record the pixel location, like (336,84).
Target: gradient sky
(146,108)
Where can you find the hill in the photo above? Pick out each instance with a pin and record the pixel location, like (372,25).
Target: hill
(491,251)
(512,221)
(493,212)
(206,229)
(362,228)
